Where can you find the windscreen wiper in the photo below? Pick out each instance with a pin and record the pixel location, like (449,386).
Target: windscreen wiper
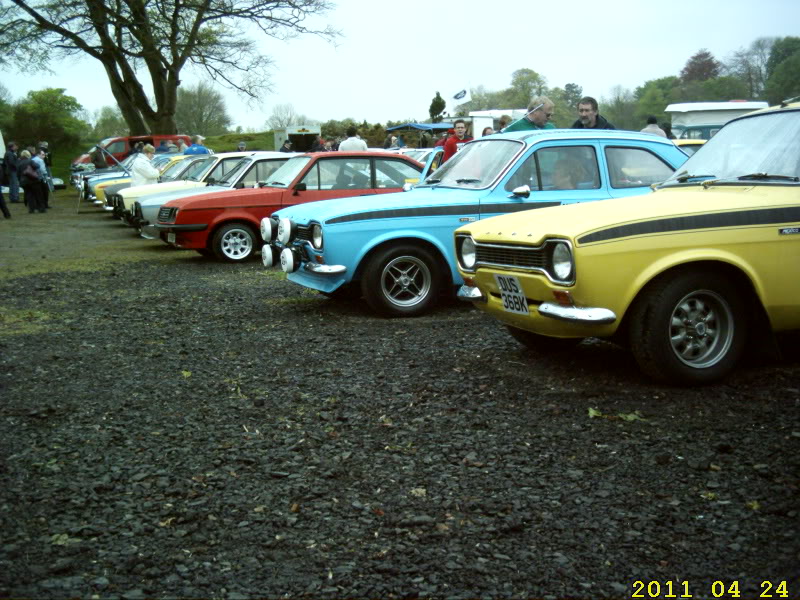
(467,180)
(687,177)
(432,180)
(768,176)
(276,183)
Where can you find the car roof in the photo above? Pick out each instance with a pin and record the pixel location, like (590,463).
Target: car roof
(537,135)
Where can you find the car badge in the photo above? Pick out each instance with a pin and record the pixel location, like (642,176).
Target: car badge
(789,231)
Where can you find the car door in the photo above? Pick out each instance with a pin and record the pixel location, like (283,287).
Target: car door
(550,174)
(632,169)
(392,174)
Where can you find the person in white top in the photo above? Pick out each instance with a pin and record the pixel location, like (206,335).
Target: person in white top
(353,143)
(652,127)
(142,172)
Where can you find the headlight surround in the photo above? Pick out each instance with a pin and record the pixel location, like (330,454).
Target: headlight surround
(561,262)
(467,255)
(316,236)
(269,229)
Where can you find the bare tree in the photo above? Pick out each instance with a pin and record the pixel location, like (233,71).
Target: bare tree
(157,38)
(283,115)
(750,65)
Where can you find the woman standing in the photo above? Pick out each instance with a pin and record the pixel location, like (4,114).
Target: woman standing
(29,182)
(142,172)
(40,160)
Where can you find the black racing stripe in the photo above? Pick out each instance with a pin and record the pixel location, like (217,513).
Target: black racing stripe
(441,211)
(763,216)
(515,207)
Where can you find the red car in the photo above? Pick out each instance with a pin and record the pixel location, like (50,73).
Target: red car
(226,225)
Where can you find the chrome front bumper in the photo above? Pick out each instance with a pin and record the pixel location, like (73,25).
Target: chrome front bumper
(572,314)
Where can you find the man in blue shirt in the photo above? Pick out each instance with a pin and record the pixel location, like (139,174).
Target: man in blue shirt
(197,146)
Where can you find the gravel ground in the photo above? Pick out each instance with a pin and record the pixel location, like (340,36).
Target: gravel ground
(176,427)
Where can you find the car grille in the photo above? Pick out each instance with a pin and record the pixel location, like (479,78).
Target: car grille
(520,257)
(166,214)
(303,233)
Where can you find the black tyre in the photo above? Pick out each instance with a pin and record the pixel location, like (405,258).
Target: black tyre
(541,343)
(234,242)
(402,281)
(689,328)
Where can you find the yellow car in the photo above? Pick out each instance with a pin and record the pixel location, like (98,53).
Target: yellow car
(689,277)
(690,146)
(164,163)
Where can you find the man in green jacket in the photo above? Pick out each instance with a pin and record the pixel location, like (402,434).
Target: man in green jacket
(538,116)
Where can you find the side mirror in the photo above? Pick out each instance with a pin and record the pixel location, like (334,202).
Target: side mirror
(239,185)
(523,191)
(300,187)
(407,187)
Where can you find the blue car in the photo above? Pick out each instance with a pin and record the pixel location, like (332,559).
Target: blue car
(396,250)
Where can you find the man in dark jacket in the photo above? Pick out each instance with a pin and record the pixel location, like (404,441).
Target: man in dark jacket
(10,160)
(588,118)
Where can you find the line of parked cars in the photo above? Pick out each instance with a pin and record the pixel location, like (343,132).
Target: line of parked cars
(558,234)
(687,262)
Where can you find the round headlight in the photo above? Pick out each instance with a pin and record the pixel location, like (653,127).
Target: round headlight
(562,261)
(286,230)
(269,256)
(468,256)
(316,236)
(290,260)
(269,227)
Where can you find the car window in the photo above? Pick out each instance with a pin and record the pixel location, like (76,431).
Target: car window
(477,165)
(311,179)
(195,169)
(116,147)
(265,169)
(173,170)
(342,174)
(394,173)
(635,167)
(558,168)
(222,168)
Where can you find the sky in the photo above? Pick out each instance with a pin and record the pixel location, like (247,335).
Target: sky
(394,55)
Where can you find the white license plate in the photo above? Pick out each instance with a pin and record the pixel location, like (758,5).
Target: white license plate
(511,294)
(171,238)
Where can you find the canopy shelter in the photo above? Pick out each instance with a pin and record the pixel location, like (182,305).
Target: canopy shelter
(422,127)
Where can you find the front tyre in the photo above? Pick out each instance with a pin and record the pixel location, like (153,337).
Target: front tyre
(689,328)
(234,242)
(402,281)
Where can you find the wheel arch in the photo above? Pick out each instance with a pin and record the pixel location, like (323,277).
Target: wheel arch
(402,239)
(233,219)
(733,271)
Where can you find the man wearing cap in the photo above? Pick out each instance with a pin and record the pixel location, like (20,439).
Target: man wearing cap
(287,146)
(197,146)
(242,146)
(540,110)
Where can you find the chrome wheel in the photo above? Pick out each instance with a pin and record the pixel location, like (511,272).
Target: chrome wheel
(701,329)
(406,281)
(236,244)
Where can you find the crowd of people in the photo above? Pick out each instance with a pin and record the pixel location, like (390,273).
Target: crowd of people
(30,168)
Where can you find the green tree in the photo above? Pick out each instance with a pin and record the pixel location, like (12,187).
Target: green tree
(784,83)
(525,84)
(620,108)
(6,109)
(201,109)
(108,122)
(782,49)
(50,115)
(701,66)
(724,88)
(157,39)
(572,95)
(653,103)
(436,108)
